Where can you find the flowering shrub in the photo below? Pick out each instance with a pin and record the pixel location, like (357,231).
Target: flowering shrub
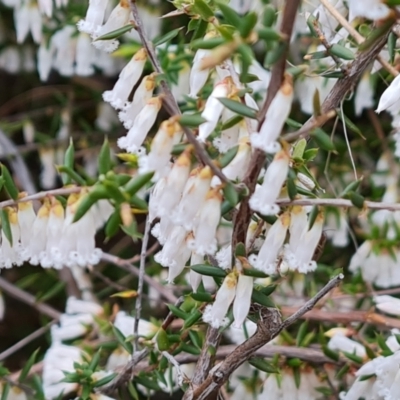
(208,191)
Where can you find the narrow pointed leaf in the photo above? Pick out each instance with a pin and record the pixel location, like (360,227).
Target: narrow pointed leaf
(116,33)
(239,108)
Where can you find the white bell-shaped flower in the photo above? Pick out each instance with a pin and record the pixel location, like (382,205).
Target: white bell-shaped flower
(10,251)
(84,55)
(26,220)
(127,79)
(264,197)
(371,9)
(241,304)
(133,141)
(94,17)
(390,99)
(275,118)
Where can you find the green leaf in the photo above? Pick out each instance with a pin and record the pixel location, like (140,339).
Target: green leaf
(310,154)
(202,296)
(275,54)
(28,365)
(239,108)
(263,365)
(230,15)
(191,120)
(392,46)
(299,148)
(240,250)
(69,160)
(135,184)
(269,34)
(269,15)
(356,199)
(311,22)
(302,332)
(167,37)
(70,175)
(192,319)
(9,183)
(227,158)
(254,272)
(208,270)
(5,392)
(260,298)
(353,186)
(52,292)
(334,355)
(162,340)
(86,202)
(230,194)
(316,104)
(146,382)
(139,203)
(317,55)
(376,33)
(207,44)
(312,216)
(322,139)
(200,30)
(268,289)
(132,391)
(5,225)
(231,122)
(94,362)
(178,312)
(203,9)
(105,380)
(366,377)
(247,24)
(291,188)
(342,52)
(114,191)
(353,357)
(105,158)
(122,340)
(354,128)
(116,33)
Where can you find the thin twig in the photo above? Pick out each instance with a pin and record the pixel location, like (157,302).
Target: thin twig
(26,340)
(29,299)
(169,101)
(138,304)
(182,378)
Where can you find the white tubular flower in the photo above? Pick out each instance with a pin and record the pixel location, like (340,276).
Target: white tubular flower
(38,239)
(51,256)
(21,21)
(182,87)
(360,256)
(229,137)
(71,327)
(194,277)
(142,94)
(371,9)
(276,116)
(46,7)
(10,60)
(94,17)
(364,97)
(198,76)
(205,226)
(388,304)
(390,99)
(127,79)
(84,55)
(301,258)
(26,220)
(193,197)
(59,358)
(263,75)
(174,185)
(237,168)
(106,117)
(9,252)
(263,199)
(342,343)
(215,314)
(158,158)
(63,43)
(298,227)
(337,228)
(44,61)
(241,304)
(125,324)
(266,260)
(77,306)
(118,18)
(133,141)
(175,253)
(213,109)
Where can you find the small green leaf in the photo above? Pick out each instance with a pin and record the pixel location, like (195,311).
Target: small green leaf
(105,158)
(342,52)
(392,46)
(334,355)
(208,270)
(247,24)
(9,183)
(230,194)
(162,340)
(5,391)
(167,37)
(260,298)
(192,319)
(105,380)
(263,365)
(240,250)
(52,292)
(28,365)
(311,22)
(231,122)
(136,183)
(202,296)
(89,200)
(254,273)
(5,225)
(356,199)
(139,203)
(302,332)
(269,15)
(268,289)
(353,357)
(269,34)
(353,127)
(203,9)
(116,33)
(94,362)
(366,377)
(275,54)
(207,44)
(310,154)
(322,139)
(316,55)
(178,312)
(114,191)
(230,15)
(316,103)
(200,30)
(227,158)
(71,175)
(353,186)
(132,391)
(69,160)
(312,216)
(122,340)
(291,188)
(299,148)
(191,120)
(239,108)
